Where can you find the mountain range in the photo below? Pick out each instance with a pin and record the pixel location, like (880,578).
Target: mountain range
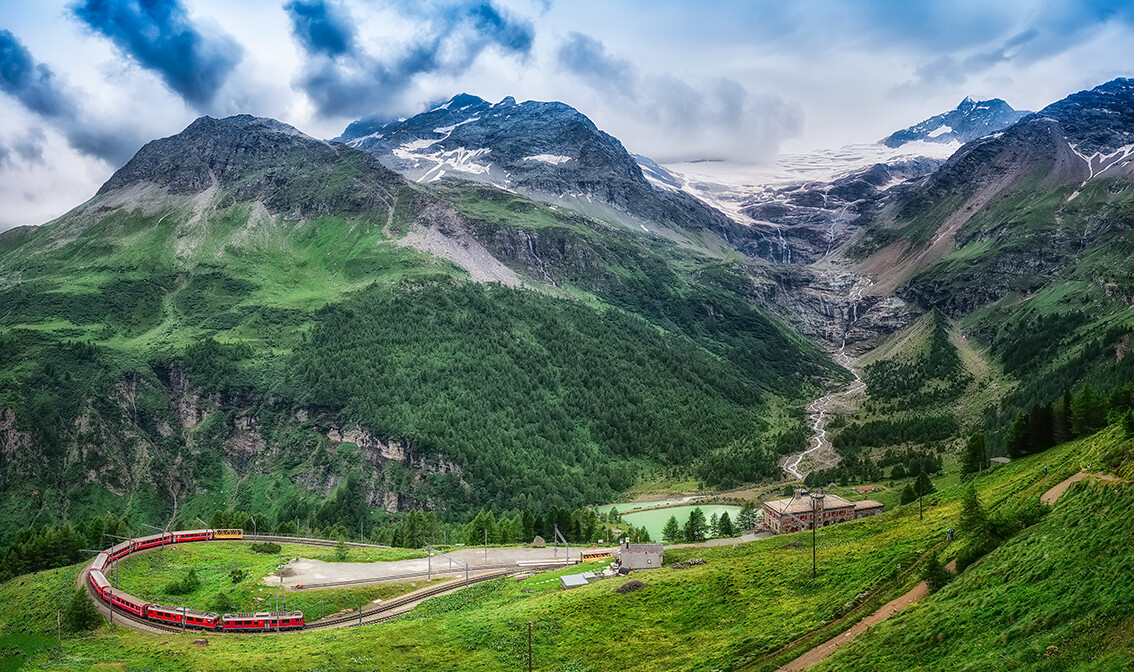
(498,306)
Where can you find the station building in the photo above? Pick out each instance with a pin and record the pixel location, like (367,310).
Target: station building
(795,513)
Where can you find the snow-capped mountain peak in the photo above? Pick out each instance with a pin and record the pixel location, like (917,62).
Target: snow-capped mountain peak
(970,120)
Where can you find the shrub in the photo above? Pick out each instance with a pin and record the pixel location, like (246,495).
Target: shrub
(184,586)
(81,615)
(266,548)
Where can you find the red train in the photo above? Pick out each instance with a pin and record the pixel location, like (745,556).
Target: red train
(263,621)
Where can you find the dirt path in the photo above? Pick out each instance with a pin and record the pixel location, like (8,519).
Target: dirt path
(887,610)
(1050,496)
(919,591)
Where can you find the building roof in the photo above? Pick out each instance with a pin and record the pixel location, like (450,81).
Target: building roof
(798,505)
(642,548)
(572,581)
(867,504)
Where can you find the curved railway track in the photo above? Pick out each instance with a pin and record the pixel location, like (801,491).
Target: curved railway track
(377,615)
(381,613)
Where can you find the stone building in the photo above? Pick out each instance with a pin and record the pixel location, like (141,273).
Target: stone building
(794,513)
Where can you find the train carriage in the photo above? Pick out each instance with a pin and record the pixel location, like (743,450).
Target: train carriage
(100,562)
(262,621)
(126,601)
(191,618)
(121,549)
(153,540)
(228,534)
(98,581)
(191,535)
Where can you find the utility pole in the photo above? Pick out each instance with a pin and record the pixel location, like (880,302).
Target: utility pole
(486,545)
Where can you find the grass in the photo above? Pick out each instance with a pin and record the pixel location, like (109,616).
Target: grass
(1057,596)
(1058,583)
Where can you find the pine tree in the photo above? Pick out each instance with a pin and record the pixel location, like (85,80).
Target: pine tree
(340,550)
(724,525)
(908,494)
(923,486)
(714,525)
(672,531)
(746,519)
(696,527)
(975,459)
(934,574)
(1088,411)
(81,615)
(974,521)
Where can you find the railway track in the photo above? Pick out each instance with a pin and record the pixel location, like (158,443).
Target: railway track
(120,615)
(382,614)
(306,541)
(377,615)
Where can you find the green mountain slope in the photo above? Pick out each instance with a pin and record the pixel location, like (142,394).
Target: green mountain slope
(247,317)
(1056,582)
(1024,238)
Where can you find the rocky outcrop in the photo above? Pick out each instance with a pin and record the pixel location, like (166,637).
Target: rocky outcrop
(803,223)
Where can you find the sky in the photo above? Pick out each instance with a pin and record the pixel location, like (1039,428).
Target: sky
(85,83)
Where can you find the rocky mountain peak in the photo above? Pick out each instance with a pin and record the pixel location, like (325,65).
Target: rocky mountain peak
(218,151)
(258,159)
(970,120)
(546,150)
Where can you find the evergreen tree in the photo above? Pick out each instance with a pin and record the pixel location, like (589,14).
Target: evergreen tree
(81,615)
(340,550)
(1061,431)
(974,521)
(696,527)
(746,519)
(1017,439)
(528,524)
(908,494)
(934,574)
(672,531)
(1088,411)
(724,526)
(1128,423)
(975,459)
(714,525)
(923,486)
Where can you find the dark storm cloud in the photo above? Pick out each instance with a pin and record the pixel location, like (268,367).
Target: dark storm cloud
(350,81)
(33,84)
(320,28)
(194,62)
(36,87)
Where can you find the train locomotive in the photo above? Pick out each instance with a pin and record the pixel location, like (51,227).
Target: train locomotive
(184,617)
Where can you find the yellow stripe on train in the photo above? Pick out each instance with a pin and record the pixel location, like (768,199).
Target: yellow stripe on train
(228,534)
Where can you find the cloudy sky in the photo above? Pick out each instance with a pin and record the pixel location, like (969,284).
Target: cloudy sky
(84,83)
